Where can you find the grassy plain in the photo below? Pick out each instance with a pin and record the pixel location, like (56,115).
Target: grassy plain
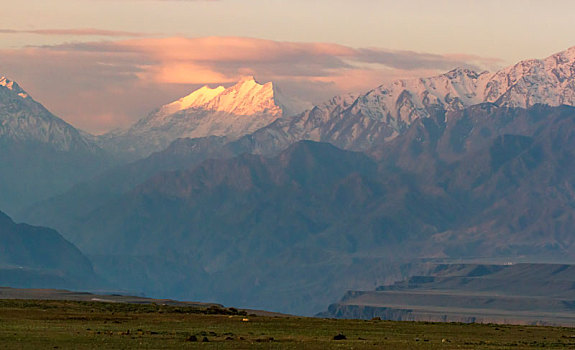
(26,324)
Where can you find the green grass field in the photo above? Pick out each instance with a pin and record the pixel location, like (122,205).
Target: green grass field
(91,325)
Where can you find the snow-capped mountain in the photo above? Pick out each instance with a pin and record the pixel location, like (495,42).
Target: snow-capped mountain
(359,122)
(40,154)
(549,81)
(232,112)
(24,120)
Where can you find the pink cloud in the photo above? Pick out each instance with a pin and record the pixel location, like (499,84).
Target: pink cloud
(101,85)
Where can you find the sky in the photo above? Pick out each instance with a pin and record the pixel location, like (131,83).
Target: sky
(103,64)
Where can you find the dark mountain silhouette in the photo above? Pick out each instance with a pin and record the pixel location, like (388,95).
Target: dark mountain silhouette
(40,257)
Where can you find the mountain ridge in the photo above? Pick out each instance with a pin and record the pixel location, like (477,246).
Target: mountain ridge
(358,122)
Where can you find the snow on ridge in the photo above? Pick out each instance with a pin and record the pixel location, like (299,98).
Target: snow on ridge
(548,81)
(6,82)
(388,110)
(13,86)
(196,99)
(247,97)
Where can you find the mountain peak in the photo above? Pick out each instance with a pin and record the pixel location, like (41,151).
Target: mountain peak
(6,82)
(196,99)
(13,86)
(228,112)
(249,82)
(247,79)
(247,97)
(566,56)
(463,72)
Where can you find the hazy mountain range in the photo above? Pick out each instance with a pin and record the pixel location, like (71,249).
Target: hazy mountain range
(249,204)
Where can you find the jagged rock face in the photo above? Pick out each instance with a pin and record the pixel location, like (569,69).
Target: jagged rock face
(23,120)
(360,122)
(549,81)
(232,113)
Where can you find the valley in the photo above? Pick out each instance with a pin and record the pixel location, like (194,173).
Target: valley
(240,196)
